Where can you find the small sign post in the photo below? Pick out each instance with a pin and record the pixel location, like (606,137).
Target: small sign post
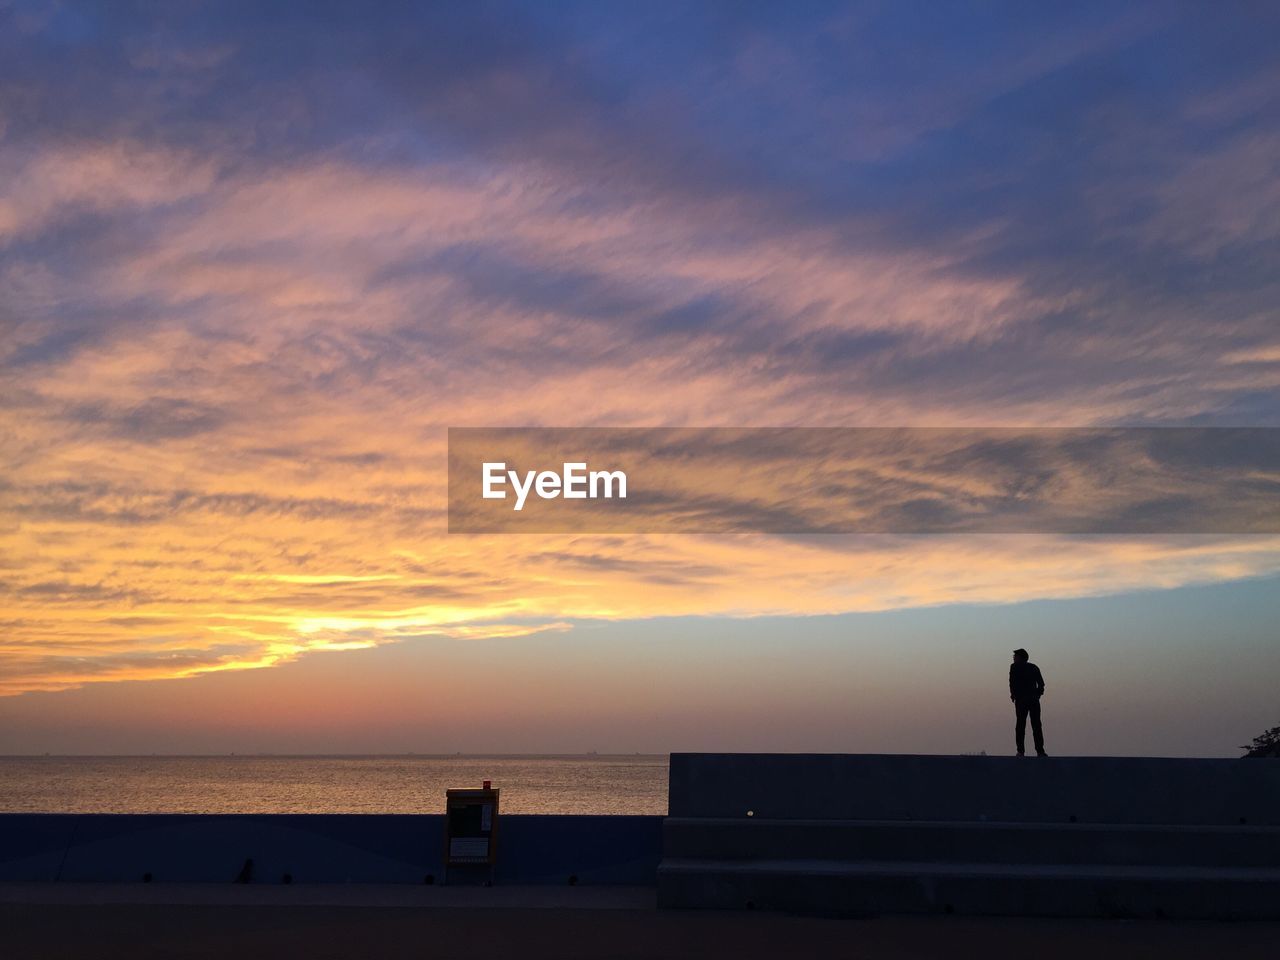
(470,833)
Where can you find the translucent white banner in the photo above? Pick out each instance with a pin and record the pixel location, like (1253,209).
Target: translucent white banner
(1123,480)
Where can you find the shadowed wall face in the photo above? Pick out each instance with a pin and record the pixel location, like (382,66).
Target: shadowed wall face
(255,262)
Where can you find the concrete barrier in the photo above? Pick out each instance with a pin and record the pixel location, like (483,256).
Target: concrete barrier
(1079,836)
(340,848)
(1007,789)
(999,843)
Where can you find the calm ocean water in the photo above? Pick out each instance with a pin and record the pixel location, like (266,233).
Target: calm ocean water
(379,784)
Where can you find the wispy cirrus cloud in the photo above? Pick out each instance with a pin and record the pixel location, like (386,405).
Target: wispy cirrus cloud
(254,262)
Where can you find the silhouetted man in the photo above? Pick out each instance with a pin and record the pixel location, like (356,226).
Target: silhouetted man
(1025,687)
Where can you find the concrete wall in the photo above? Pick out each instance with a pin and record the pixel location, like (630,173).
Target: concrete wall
(1113,790)
(1075,836)
(318,848)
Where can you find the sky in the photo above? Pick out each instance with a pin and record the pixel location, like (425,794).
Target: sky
(256,259)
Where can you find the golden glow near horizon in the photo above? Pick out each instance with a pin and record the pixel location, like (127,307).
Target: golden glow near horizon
(136,580)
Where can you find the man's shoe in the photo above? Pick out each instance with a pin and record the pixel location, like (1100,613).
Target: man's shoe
(1041,753)
(1021,754)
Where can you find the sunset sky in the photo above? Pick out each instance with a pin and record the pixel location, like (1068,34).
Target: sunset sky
(257,258)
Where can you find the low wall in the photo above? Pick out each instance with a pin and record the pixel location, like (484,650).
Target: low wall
(1074,836)
(1113,790)
(339,848)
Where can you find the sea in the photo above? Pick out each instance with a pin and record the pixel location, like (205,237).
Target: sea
(591,784)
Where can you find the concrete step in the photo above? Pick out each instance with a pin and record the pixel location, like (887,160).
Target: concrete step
(845,888)
(1155,790)
(1007,843)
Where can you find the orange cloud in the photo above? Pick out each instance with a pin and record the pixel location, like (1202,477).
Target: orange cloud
(241,461)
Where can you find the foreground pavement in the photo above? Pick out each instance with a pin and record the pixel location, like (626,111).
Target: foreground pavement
(338,921)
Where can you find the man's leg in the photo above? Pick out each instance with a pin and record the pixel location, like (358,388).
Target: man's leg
(1020,731)
(1037,732)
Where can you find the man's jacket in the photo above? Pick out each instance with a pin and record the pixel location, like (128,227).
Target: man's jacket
(1025,682)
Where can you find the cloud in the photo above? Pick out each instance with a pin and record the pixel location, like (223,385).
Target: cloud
(254,261)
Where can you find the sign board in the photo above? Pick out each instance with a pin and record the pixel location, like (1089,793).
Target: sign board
(471,827)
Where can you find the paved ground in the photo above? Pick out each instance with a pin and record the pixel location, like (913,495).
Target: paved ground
(40,921)
(328,895)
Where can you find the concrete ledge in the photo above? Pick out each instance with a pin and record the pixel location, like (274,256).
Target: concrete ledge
(332,895)
(942,788)
(1007,843)
(838,834)
(355,848)
(837,888)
